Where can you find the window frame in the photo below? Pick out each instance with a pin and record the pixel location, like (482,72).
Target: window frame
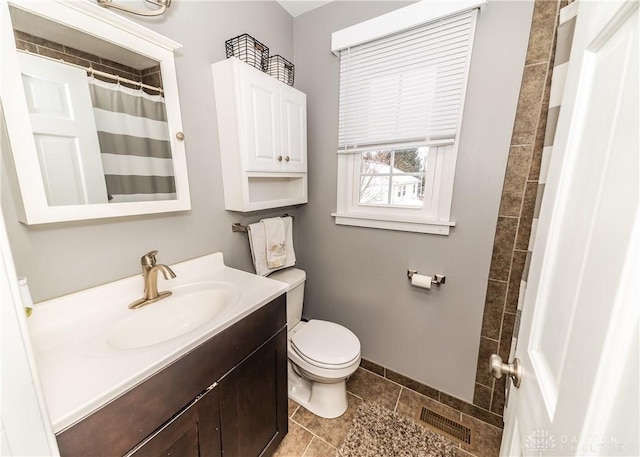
(434,218)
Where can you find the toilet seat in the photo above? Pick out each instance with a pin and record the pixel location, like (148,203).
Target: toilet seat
(326,344)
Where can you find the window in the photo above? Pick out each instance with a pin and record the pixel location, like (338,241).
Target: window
(386,174)
(401,98)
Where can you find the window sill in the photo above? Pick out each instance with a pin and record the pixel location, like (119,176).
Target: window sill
(404,225)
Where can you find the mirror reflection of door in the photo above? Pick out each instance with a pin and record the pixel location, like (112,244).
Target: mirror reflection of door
(146,175)
(98,116)
(64,131)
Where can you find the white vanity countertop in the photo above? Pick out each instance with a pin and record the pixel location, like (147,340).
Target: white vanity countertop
(79,372)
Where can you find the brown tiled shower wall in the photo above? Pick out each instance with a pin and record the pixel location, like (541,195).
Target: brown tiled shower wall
(40,46)
(517,205)
(515,217)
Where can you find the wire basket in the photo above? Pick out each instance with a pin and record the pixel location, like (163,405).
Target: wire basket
(281,69)
(249,50)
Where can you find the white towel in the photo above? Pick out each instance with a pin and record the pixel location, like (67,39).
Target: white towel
(257,242)
(276,254)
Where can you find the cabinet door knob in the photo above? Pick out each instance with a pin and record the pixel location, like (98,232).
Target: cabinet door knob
(287,158)
(279,158)
(180,136)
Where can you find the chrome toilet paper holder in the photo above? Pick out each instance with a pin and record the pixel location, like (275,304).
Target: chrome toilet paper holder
(437,280)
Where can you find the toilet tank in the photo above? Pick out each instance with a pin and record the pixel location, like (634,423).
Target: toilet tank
(295,292)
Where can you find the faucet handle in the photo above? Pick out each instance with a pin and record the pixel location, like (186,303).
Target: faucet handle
(149,259)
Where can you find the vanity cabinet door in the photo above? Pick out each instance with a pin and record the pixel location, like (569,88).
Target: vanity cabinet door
(253,401)
(209,425)
(194,432)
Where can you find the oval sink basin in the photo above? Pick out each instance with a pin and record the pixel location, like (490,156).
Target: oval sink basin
(189,307)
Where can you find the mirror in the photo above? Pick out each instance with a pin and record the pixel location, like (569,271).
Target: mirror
(93,109)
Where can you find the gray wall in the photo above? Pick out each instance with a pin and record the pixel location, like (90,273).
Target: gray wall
(62,258)
(357,276)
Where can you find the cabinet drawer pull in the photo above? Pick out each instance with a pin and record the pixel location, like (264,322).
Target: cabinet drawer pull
(279,158)
(287,158)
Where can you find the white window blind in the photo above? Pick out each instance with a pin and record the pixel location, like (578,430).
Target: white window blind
(406,88)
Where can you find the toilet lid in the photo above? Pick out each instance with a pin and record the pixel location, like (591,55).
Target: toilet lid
(326,344)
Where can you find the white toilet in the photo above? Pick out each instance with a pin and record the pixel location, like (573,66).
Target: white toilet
(322,355)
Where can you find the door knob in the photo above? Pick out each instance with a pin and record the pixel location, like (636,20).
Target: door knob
(287,158)
(279,158)
(513,370)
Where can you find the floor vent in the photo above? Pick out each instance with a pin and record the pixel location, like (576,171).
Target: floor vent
(446,426)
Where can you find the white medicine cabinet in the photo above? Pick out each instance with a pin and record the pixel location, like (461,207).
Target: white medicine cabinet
(262,126)
(63,169)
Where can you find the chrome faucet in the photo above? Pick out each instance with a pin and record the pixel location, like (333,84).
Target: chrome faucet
(150,276)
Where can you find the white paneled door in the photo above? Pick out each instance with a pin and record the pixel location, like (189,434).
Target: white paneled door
(25,428)
(64,130)
(578,341)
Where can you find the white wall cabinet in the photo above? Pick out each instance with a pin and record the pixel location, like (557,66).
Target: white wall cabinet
(262,128)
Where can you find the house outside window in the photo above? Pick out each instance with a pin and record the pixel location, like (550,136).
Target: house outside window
(385,176)
(403,79)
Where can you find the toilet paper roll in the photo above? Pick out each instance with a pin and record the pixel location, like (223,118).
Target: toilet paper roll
(423,281)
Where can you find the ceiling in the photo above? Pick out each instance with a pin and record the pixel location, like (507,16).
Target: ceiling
(298,7)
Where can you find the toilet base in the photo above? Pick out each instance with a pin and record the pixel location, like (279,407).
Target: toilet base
(328,400)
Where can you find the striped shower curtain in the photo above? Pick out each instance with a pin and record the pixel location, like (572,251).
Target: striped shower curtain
(134,143)
(564,40)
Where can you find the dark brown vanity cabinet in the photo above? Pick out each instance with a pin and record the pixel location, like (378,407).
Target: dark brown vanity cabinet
(226,397)
(253,422)
(193,432)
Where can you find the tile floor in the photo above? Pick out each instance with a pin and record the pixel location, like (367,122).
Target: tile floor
(312,436)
